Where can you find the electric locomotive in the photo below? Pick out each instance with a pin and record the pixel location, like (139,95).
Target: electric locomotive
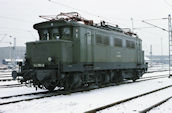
(73,52)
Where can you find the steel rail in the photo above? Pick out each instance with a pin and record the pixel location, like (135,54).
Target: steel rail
(26,94)
(11,85)
(5,76)
(54,93)
(155,105)
(4,80)
(156,71)
(126,100)
(4,71)
(159,76)
(29,99)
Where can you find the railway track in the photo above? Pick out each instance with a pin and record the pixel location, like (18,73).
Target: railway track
(9,72)
(154,77)
(155,105)
(4,80)
(11,85)
(62,92)
(132,98)
(156,71)
(41,95)
(4,76)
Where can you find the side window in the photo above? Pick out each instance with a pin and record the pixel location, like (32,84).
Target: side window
(98,39)
(66,33)
(118,42)
(43,34)
(106,40)
(127,44)
(130,44)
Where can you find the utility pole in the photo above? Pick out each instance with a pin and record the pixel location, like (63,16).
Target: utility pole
(150,55)
(132,25)
(169,37)
(170,43)
(10,53)
(14,52)
(162,54)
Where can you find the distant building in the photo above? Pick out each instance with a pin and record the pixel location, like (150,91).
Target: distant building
(157,59)
(11,61)
(8,53)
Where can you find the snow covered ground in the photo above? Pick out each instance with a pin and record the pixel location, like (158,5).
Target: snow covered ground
(81,102)
(140,103)
(164,108)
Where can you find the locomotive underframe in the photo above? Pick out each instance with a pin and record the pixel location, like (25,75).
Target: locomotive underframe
(80,75)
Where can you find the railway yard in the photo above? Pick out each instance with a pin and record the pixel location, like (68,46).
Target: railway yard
(151,93)
(61,56)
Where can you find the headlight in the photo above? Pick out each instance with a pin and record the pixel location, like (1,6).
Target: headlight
(50,59)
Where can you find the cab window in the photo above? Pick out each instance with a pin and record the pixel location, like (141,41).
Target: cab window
(55,35)
(66,33)
(43,34)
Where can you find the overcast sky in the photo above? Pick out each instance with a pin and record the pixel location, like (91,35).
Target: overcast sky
(18,16)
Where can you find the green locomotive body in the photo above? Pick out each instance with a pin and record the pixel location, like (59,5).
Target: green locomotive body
(74,55)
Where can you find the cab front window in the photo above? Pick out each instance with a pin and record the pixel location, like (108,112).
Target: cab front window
(55,35)
(43,34)
(63,33)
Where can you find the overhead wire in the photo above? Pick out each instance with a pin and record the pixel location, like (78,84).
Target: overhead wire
(15,19)
(17,29)
(89,13)
(21,30)
(158,34)
(153,19)
(138,28)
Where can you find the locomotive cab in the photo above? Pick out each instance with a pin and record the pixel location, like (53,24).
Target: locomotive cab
(44,57)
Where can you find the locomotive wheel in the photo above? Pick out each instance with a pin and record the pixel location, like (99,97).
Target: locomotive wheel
(112,74)
(135,76)
(99,78)
(134,79)
(67,83)
(72,81)
(116,77)
(51,88)
(106,77)
(48,85)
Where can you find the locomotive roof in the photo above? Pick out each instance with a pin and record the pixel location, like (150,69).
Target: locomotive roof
(57,23)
